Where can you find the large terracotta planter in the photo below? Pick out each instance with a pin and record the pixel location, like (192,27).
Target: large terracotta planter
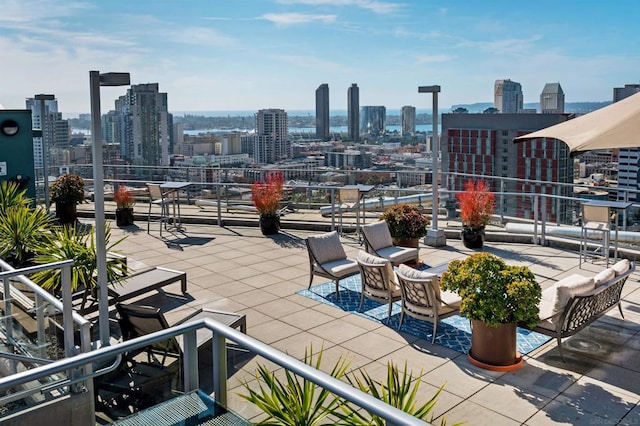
(269,224)
(494,346)
(472,238)
(67,213)
(124,216)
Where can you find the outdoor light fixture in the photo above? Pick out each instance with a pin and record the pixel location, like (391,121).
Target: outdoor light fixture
(9,127)
(95,81)
(435,237)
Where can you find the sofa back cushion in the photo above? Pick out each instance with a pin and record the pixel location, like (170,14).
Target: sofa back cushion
(604,277)
(568,287)
(621,266)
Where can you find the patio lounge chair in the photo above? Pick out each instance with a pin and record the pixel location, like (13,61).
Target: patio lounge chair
(378,241)
(423,299)
(379,281)
(327,258)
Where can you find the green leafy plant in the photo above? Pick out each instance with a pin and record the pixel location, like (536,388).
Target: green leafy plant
(23,231)
(400,391)
(476,204)
(295,401)
(12,196)
(492,291)
(266,195)
(68,242)
(67,189)
(405,221)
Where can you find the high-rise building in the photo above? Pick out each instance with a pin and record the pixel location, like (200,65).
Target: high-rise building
(552,99)
(620,93)
(353,112)
(508,97)
(482,144)
(272,142)
(373,121)
(408,120)
(322,112)
(147,125)
(55,130)
(628,158)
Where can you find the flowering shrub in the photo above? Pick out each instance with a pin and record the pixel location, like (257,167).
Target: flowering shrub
(67,189)
(405,221)
(124,198)
(266,195)
(476,204)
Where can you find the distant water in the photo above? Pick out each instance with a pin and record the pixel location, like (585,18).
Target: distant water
(290,112)
(333,129)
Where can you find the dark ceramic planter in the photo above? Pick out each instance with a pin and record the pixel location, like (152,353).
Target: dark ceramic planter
(269,224)
(124,216)
(67,213)
(408,242)
(472,238)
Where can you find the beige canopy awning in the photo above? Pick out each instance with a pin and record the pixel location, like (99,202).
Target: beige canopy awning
(614,126)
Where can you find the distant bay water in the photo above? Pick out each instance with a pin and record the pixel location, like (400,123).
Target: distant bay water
(333,129)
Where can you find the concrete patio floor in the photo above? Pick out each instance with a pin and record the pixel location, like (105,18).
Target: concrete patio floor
(238,269)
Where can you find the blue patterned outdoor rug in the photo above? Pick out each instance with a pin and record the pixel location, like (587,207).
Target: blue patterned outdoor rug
(453,332)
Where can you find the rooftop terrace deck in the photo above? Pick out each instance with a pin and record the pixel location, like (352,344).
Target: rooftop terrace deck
(236,268)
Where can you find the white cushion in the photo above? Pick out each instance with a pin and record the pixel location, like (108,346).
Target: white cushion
(621,267)
(327,247)
(547,303)
(399,254)
(378,235)
(568,287)
(340,268)
(604,276)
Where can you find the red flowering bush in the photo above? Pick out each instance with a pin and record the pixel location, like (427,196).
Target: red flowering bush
(266,195)
(405,221)
(476,204)
(123,197)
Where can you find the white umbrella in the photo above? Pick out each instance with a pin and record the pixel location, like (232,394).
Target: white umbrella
(614,126)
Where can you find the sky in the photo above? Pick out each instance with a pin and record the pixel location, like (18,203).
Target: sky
(219,55)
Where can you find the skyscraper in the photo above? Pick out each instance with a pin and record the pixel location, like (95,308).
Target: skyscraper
(322,111)
(272,137)
(147,125)
(408,120)
(353,113)
(628,158)
(508,97)
(552,99)
(55,130)
(374,121)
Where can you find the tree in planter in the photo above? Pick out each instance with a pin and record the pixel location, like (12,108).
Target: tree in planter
(476,208)
(495,297)
(67,192)
(125,201)
(266,197)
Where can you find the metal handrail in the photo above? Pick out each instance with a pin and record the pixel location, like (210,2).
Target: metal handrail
(219,333)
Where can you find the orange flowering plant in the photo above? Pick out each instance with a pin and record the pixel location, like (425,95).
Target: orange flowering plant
(476,204)
(123,197)
(266,195)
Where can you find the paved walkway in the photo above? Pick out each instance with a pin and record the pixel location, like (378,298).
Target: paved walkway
(238,269)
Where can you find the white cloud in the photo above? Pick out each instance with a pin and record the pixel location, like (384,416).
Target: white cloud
(432,59)
(284,19)
(199,36)
(380,7)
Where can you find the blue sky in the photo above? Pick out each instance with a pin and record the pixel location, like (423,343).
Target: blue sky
(252,54)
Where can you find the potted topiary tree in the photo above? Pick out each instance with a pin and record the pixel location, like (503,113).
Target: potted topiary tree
(67,192)
(266,198)
(125,200)
(495,296)
(476,207)
(406,224)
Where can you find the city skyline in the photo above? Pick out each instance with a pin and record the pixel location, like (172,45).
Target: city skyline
(254,54)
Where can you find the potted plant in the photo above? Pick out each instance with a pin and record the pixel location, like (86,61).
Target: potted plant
(406,224)
(495,296)
(476,207)
(125,200)
(67,192)
(266,198)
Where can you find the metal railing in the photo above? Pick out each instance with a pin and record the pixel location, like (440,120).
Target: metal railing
(219,334)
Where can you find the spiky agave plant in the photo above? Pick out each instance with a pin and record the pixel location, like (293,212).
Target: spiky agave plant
(295,401)
(22,231)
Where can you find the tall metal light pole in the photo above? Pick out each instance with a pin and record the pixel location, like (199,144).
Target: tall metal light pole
(435,237)
(95,81)
(45,149)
